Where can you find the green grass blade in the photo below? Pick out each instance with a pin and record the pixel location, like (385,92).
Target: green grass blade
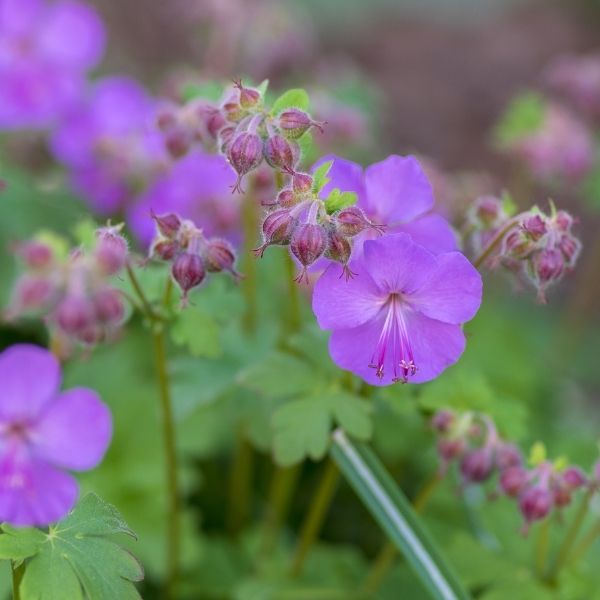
(395,515)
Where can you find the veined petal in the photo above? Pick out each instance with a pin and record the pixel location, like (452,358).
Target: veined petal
(453,292)
(340,304)
(430,231)
(397,190)
(29,378)
(74,430)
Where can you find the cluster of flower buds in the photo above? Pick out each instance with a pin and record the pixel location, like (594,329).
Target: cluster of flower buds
(298,218)
(472,441)
(192,256)
(73,292)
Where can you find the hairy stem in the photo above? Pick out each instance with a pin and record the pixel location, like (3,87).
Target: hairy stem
(489,249)
(316,515)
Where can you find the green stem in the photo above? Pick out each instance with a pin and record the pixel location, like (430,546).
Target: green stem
(137,288)
(487,251)
(590,537)
(248,284)
(541,548)
(316,516)
(293,301)
(387,555)
(240,483)
(17,578)
(570,538)
(283,484)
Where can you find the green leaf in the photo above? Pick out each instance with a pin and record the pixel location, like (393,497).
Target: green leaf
(390,508)
(320,179)
(537,454)
(352,414)
(295,98)
(263,87)
(18,543)
(279,374)
(198,331)
(77,560)
(524,115)
(301,429)
(508,204)
(338,200)
(85,233)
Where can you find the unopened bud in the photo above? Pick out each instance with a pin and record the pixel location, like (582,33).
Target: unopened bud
(245,154)
(352,220)
(75,314)
(486,211)
(563,220)
(249,97)
(224,138)
(451,448)
(32,293)
(443,420)
(513,480)
(307,244)
(294,123)
(339,249)
(35,254)
(276,229)
(109,306)
(535,227)
(188,271)
(508,455)
(167,224)
(570,247)
(548,265)
(165,249)
(573,477)
(111,250)
(281,153)
(178,141)
(219,255)
(535,503)
(477,465)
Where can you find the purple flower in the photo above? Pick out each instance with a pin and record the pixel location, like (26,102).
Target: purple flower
(396,193)
(46,50)
(43,432)
(198,187)
(110,144)
(399,318)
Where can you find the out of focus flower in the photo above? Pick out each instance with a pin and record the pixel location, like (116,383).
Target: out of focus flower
(198,188)
(400,318)
(110,144)
(394,193)
(577,80)
(43,433)
(46,51)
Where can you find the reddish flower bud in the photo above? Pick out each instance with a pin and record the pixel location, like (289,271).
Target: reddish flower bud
(249,97)
(215,121)
(451,448)
(339,249)
(294,123)
(307,244)
(352,220)
(219,255)
(224,138)
(167,224)
(513,480)
(301,182)
(75,314)
(486,212)
(477,465)
(245,154)
(111,250)
(35,254)
(32,293)
(535,503)
(563,220)
(443,420)
(573,478)
(281,153)
(518,245)
(276,229)
(166,118)
(508,455)
(165,249)
(548,265)
(109,306)
(188,272)
(286,198)
(178,141)
(233,111)
(535,227)
(570,247)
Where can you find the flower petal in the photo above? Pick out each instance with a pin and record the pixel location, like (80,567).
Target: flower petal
(340,304)
(397,264)
(453,293)
(345,175)
(430,231)
(33,493)
(29,378)
(398,190)
(74,430)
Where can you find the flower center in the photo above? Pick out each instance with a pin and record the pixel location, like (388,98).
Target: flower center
(394,339)
(15,430)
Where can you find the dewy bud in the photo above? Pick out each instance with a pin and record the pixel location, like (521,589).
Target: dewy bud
(75,314)
(281,153)
(307,244)
(219,255)
(111,250)
(513,480)
(245,154)
(188,271)
(294,123)
(477,465)
(276,229)
(35,254)
(352,220)
(535,503)
(167,224)
(109,306)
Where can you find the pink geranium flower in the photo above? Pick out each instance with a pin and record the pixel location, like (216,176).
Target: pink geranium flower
(44,432)
(399,318)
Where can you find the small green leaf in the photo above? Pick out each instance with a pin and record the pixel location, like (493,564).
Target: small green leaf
(508,204)
(338,200)
(352,414)
(77,560)
(17,544)
(263,87)
(295,98)
(198,331)
(301,429)
(524,115)
(537,454)
(320,179)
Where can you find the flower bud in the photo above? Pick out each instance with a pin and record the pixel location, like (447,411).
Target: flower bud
(224,138)
(443,420)
(301,182)
(281,153)
(166,118)
(294,123)
(286,198)
(477,465)
(451,448)
(535,227)
(165,249)
(219,255)
(109,306)
(548,265)
(573,478)
(75,314)
(32,293)
(188,271)
(249,97)
(513,480)
(517,244)
(563,220)
(276,229)
(167,224)
(35,254)
(486,212)
(111,250)
(245,154)
(232,110)
(178,141)
(508,455)
(352,220)
(570,247)
(307,244)
(339,249)
(535,503)
(214,122)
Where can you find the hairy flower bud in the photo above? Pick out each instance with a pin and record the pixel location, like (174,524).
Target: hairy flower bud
(535,503)
(352,220)
(477,465)
(75,314)
(249,97)
(281,153)
(214,122)
(570,248)
(178,141)
(339,249)
(513,480)
(535,227)
(188,272)
(219,255)
(563,220)
(294,123)
(286,198)
(111,250)
(443,420)
(451,448)
(225,138)
(244,154)
(35,254)
(109,306)
(31,293)
(508,455)
(276,229)
(307,244)
(486,212)
(165,249)
(548,265)
(573,478)
(168,224)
